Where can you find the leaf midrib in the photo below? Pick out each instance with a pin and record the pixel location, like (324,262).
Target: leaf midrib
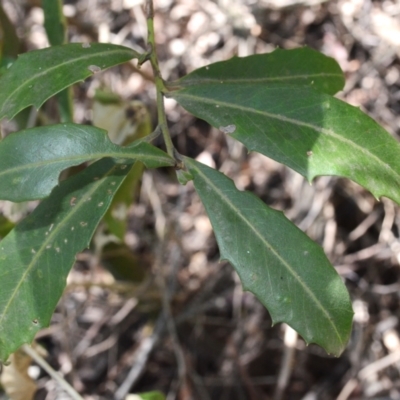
(277,255)
(50,237)
(197,80)
(89,157)
(283,118)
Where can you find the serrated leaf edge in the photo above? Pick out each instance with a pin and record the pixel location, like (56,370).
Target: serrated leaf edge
(288,267)
(328,132)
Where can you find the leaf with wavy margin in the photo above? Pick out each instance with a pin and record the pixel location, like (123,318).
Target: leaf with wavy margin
(31,160)
(40,74)
(276,261)
(303,66)
(311,132)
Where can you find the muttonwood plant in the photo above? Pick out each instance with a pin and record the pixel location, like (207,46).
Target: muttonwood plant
(279,104)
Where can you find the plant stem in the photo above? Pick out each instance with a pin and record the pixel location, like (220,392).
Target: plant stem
(160,86)
(55,24)
(55,375)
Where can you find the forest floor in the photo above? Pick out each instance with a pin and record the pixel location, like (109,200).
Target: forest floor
(187,328)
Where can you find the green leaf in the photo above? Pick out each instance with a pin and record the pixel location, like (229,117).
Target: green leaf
(40,74)
(54,21)
(31,160)
(65,105)
(183,176)
(276,261)
(302,66)
(36,256)
(116,217)
(5,226)
(147,396)
(311,132)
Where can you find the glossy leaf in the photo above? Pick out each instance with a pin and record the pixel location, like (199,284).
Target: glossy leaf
(303,66)
(40,74)
(311,132)
(36,256)
(276,261)
(31,160)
